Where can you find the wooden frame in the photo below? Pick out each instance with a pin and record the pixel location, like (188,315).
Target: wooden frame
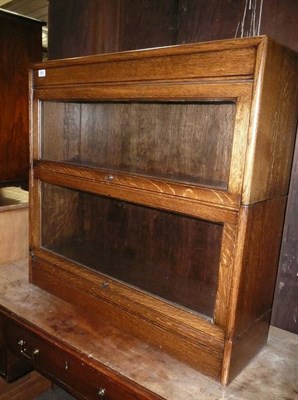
(233,70)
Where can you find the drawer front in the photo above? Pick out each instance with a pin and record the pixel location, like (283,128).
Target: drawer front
(66,369)
(11,367)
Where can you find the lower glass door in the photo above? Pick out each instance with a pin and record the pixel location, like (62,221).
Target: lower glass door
(172,256)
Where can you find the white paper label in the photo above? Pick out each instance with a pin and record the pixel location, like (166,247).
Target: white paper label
(41,73)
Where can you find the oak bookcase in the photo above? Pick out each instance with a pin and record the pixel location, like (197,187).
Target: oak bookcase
(158,188)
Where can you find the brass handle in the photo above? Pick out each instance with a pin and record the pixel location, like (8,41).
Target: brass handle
(23,350)
(101,393)
(31,356)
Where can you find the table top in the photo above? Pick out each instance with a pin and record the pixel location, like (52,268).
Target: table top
(271,375)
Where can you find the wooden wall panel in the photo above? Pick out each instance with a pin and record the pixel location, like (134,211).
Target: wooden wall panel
(285,306)
(73,35)
(79,28)
(280,20)
(147,23)
(20,43)
(204,20)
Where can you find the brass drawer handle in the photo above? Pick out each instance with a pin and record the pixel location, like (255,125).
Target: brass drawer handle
(23,350)
(101,393)
(30,357)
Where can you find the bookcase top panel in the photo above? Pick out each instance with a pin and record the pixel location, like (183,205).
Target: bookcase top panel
(219,59)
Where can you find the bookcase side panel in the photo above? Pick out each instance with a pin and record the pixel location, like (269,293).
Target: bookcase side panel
(257,262)
(273,125)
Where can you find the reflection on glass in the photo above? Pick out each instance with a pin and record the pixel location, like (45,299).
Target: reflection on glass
(172,256)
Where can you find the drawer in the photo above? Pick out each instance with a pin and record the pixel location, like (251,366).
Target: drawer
(68,370)
(11,366)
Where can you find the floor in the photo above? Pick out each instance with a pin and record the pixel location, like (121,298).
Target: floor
(55,394)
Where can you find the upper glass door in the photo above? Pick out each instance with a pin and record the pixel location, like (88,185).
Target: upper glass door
(188,142)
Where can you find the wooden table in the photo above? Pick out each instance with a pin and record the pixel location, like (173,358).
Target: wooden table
(128,363)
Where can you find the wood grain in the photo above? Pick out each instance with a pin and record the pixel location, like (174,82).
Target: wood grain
(32,384)
(156,139)
(260,261)
(96,182)
(64,210)
(237,58)
(226,274)
(184,350)
(211,89)
(273,146)
(20,40)
(139,216)
(14,236)
(279,21)
(98,32)
(196,20)
(117,238)
(98,345)
(244,348)
(256,261)
(285,311)
(80,379)
(200,20)
(195,328)
(216,197)
(157,19)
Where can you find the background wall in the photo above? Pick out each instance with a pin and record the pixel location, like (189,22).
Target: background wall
(20,41)
(83,27)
